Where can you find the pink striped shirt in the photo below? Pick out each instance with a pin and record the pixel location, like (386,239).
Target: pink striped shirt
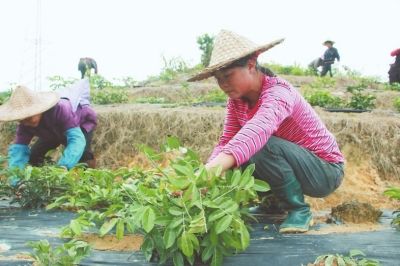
(281,111)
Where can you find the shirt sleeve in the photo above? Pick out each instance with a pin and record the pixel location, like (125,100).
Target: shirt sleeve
(277,104)
(231,127)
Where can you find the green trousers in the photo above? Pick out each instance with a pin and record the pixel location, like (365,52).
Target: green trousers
(280,159)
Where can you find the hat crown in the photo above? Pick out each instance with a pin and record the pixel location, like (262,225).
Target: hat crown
(229,45)
(22,97)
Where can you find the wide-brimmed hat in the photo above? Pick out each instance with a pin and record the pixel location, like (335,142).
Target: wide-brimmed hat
(228,48)
(328,41)
(25,103)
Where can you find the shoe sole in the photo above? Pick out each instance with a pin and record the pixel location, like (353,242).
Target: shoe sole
(294,230)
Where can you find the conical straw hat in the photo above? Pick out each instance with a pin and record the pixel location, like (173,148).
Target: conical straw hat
(229,47)
(25,103)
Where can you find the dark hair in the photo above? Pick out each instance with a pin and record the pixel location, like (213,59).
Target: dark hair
(243,62)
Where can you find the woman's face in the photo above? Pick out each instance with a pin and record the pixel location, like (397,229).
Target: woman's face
(235,82)
(32,121)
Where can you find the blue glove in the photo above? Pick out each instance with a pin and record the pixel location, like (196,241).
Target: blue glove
(18,157)
(76,143)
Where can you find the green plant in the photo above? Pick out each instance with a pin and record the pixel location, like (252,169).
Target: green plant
(295,69)
(359,100)
(355,258)
(393,87)
(396,103)
(70,253)
(109,96)
(214,95)
(394,193)
(99,82)
(206,43)
(4,96)
(184,212)
(322,98)
(39,185)
(172,67)
(150,99)
(57,82)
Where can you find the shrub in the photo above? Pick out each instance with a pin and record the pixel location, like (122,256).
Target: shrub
(109,96)
(355,258)
(322,98)
(359,100)
(397,103)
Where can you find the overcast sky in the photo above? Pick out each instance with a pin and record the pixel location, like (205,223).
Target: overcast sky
(130,37)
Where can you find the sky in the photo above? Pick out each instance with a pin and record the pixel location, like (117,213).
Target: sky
(130,38)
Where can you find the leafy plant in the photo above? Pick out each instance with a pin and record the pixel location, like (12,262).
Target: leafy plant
(322,98)
(394,193)
(355,258)
(109,96)
(38,185)
(393,87)
(99,82)
(172,67)
(70,253)
(4,96)
(214,95)
(359,100)
(295,70)
(206,43)
(184,212)
(57,82)
(397,103)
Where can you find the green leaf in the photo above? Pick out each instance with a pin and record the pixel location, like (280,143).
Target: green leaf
(185,244)
(356,252)
(75,227)
(236,178)
(107,226)
(329,260)
(120,229)
(173,143)
(163,220)
(208,251)
(176,211)
(180,183)
(169,237)
(215,215)
(185,170)
(178,259)
(217,258)
(244,235)
(148,219)
(223,224)
(261,186)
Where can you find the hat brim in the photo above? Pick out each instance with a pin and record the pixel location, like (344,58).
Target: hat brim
(209,71)
(47,101)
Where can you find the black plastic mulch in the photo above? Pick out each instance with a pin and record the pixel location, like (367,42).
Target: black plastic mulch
(267,247)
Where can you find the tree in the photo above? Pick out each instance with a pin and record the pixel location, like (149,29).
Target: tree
(206,43)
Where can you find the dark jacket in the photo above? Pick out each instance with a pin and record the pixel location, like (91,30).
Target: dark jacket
(330,55)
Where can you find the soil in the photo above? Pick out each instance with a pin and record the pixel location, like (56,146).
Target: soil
(111,243)
(355,212)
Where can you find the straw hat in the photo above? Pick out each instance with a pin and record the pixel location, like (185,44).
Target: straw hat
(25,103)
(228,48)
(328,41)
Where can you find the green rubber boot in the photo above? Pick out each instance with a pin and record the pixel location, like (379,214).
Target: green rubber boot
(299,217)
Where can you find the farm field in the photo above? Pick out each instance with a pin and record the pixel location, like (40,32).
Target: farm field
(193,114)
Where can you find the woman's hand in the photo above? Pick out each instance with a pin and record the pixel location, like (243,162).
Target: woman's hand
(226,161)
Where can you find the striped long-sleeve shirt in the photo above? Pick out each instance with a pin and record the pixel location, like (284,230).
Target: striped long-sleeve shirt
(281,111)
